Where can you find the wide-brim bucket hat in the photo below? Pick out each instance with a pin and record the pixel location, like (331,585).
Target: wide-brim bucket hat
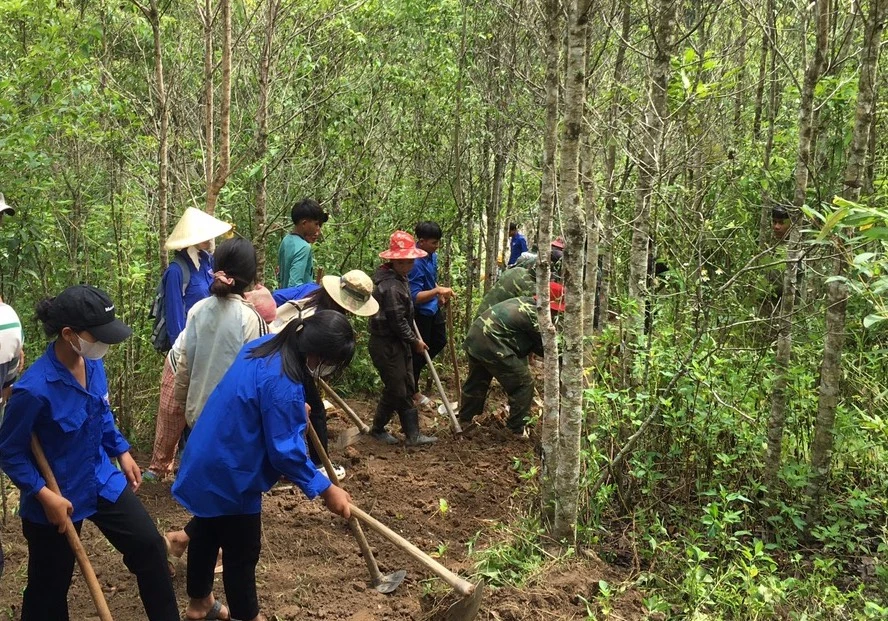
(195,227)
(402,246)
(353,291)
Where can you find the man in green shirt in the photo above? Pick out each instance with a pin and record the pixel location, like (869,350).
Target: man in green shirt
(295,260)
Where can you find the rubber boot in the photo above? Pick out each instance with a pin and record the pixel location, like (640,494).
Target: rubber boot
(410,425)
(380,420)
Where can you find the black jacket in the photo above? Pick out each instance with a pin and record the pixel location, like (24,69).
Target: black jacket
(395,316)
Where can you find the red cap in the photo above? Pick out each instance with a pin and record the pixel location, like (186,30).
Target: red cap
(558,243)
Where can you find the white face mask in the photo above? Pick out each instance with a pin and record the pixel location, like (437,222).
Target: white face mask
(91,351)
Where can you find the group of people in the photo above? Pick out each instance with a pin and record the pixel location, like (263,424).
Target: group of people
(239,387)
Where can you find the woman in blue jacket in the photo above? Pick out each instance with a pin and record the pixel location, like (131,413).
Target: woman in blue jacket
(63,399)
(250,433)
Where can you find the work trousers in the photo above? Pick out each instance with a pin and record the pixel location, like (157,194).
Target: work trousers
(433,329)
(318,418)
(392,359)
(131,531)
(169,425)
(513,375)
(240,539)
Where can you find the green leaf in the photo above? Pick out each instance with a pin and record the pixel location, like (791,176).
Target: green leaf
(870,320)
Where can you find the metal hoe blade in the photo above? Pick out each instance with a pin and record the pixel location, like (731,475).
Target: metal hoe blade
(467,608)
(390,582)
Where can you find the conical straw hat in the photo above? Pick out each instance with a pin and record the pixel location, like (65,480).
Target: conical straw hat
(194,227)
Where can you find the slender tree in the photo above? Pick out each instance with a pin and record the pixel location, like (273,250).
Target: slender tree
(813,71)
(836,289)
(570,420)
(550,418)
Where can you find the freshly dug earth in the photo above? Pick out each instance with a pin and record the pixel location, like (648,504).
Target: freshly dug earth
(440,498)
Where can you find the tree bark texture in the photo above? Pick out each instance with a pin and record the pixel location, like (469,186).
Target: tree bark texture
(209,104)
(837,291)
(551,397)
(570,420)
(615,114)
(813,72)
(260,214)
(221,173)
(649,164)
(769,43)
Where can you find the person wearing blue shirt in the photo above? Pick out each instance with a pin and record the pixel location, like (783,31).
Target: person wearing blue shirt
(517,245)
(251,433)
(190,240)
(428,300)
(62,400)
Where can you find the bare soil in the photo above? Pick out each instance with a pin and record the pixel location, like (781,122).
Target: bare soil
(441,498)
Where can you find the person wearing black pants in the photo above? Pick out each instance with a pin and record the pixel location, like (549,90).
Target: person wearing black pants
(131,531)
(240,539)
(62,402)
(428,299)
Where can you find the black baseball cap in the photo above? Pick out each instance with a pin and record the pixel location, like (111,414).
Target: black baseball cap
(89,308)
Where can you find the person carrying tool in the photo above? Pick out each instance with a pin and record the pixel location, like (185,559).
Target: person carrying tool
(250,434)
(62,401)
(350,293)
(393,341)
(497,344)
(428,300)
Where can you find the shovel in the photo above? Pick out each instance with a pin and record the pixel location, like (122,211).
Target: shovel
(382,583)
(453,422)
(349,436)
(466,608)
(95,590)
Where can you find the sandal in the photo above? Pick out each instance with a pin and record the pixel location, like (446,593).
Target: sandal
(212,614)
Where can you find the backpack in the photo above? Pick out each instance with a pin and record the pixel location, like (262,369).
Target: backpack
(160,338)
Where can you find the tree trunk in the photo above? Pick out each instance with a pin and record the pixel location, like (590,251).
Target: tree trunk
(769,39)
(590,207)
(610,166)
(570,421)
(649,164)
(550,417)
(209,111)
(813,72)
(260,215)
(221,174)
(837,290)
(493,209)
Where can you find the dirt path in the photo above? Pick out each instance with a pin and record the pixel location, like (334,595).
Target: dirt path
(310,566)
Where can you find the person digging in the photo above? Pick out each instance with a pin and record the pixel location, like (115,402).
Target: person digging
(497,344)
(393,341)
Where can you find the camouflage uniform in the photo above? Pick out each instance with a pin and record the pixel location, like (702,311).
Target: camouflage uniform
(514,283)
(497,344)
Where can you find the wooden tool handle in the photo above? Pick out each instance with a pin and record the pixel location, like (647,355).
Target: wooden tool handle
(453,358)
(366,552)
(463,587)
(95,590)
(453,422)
(344,406)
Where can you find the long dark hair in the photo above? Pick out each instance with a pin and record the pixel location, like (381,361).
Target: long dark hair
(326,334)
(237,258)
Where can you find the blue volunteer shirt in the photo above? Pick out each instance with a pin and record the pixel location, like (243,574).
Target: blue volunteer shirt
(176,306)
(517,246)
(282,296)
(251,432)
(76,428)
(424,277)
